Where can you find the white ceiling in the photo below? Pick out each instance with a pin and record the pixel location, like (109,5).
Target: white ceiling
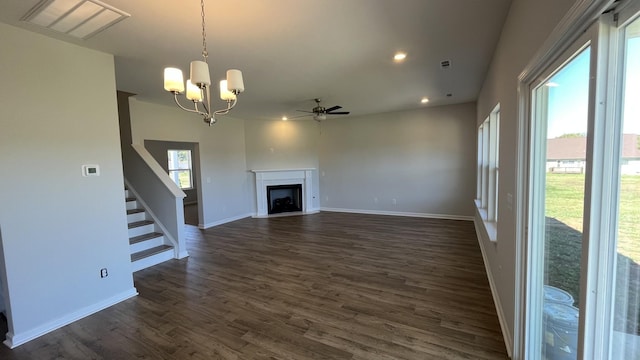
(292,51)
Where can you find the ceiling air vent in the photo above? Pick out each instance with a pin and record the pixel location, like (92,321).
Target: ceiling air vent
(445,64)
(78,18)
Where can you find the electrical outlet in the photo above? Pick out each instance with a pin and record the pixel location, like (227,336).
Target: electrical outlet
(375,200)
(103,273)
(394,201)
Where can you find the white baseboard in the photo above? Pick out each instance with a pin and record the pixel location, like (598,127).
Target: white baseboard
(14,340)
(400,213)
(506,332)
(223,221)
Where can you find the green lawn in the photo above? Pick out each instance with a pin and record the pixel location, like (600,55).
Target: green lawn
(565,193)
(564,215)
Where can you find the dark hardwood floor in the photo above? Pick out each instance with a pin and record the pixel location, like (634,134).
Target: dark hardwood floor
(323,286)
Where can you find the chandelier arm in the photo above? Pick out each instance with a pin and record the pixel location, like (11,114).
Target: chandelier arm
(230,105)
(206,109)
(196,111)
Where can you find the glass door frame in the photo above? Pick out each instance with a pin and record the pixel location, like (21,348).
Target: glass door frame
(598,270)
(537,190)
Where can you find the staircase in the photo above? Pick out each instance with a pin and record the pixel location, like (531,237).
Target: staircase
(148,245)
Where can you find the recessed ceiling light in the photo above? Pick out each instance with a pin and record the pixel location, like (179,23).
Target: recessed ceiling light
(284,118)
(424,100)
(399,56)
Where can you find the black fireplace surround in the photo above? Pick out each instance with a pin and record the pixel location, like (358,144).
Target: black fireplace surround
(284,198)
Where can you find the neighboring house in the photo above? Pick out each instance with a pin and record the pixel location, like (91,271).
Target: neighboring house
(630,154)
(567,155)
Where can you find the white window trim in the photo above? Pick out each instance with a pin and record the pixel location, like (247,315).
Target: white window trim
(190,169)
(487,176)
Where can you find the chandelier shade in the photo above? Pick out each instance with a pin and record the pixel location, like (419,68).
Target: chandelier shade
(193,92)
(200,73)
(173,80)
(225,93)
(234,81)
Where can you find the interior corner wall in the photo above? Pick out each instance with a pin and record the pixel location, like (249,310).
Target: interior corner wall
(419,162)
(59,228)
(527,27)
(278,145)
(223,180)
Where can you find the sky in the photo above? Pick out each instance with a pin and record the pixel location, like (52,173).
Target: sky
(568,93)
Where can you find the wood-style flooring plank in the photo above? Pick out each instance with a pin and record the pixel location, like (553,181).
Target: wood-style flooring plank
(322,286)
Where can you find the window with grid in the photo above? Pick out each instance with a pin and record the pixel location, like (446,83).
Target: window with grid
(179,165)
(488,169)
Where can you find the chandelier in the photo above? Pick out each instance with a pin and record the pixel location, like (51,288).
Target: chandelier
(198,85)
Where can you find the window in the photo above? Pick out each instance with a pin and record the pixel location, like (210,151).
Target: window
(488,150)
(180,168)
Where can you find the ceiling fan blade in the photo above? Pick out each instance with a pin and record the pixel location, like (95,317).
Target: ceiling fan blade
(297,117)
(333,108)
(338,113)
(305,111)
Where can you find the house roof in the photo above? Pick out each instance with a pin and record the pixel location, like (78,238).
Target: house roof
(574,148)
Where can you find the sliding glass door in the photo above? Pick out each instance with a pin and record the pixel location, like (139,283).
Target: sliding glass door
(626,319)
(583,236)
(561,107)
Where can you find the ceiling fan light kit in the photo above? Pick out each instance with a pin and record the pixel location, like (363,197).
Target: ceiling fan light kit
(198,86)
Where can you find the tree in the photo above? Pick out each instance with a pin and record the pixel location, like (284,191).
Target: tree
(572,135)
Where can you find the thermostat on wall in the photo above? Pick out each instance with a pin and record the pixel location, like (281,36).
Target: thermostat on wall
(90,170)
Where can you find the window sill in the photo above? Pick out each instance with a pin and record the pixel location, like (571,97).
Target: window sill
(490,227)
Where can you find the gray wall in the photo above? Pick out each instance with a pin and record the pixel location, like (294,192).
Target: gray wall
(424,159)
(278,145)
(225,183)
(158,149)
(528,25)
(58,227)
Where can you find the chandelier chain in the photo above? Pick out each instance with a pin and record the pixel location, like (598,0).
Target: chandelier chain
(205,53)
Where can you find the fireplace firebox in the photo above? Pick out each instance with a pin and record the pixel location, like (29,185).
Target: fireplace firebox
(284,198)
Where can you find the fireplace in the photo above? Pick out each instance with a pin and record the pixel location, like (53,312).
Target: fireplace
(284,198)
(293,188)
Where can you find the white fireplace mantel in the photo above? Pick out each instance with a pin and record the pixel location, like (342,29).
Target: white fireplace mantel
(266,178)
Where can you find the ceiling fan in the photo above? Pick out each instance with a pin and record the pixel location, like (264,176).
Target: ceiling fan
(320,113)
